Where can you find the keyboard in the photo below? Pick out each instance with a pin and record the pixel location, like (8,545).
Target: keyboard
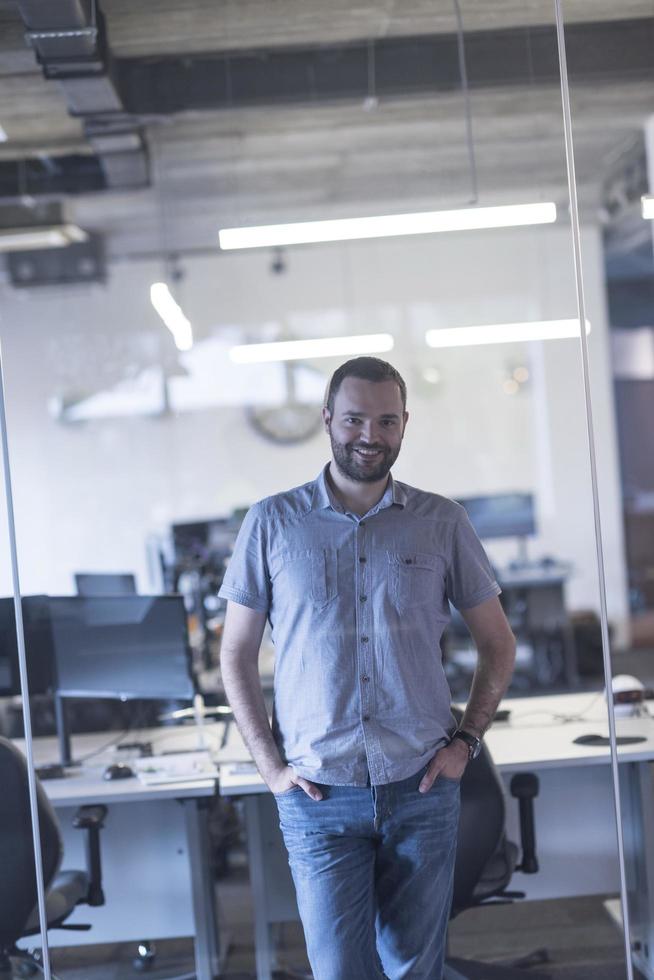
(177,767)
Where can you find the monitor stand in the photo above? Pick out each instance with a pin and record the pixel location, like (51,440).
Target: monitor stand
(522,561)
(63,735)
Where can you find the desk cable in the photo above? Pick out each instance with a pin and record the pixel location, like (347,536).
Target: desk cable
(558,716)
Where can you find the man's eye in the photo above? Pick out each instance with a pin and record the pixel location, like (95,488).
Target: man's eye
(353,419)
(388,422)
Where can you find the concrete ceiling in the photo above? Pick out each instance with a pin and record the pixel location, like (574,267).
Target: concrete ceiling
(252,163)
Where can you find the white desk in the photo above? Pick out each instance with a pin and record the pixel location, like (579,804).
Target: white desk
(154,847)
(575,818)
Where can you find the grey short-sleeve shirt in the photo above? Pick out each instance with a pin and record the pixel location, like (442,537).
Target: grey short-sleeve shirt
(357,607)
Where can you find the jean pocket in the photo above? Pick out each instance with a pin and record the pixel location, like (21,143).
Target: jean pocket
(415,580)
(447,780)
(288,792)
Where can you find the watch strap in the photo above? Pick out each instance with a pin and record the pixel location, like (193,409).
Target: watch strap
(473,743)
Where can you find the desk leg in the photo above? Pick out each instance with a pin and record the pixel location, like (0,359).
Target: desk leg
(202,890)
(256,857)
(637,793)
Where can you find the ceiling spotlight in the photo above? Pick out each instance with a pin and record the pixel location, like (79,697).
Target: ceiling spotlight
(647,204)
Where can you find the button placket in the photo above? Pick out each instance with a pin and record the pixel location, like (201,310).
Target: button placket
(363,645)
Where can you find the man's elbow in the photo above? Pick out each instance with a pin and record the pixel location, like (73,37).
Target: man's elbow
(499,649)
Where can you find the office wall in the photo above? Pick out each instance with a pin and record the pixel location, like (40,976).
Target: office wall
(87,495)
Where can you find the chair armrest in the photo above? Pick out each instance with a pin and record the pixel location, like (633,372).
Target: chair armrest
(91,819)
(524,787)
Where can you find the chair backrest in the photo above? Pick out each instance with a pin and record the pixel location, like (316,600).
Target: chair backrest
(481,827)
(18,895)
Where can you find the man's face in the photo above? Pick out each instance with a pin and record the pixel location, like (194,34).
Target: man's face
(366,428)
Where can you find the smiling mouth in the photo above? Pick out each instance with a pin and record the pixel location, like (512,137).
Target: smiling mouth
(368,453)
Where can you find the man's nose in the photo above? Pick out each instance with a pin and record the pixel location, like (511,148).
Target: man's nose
(369,432)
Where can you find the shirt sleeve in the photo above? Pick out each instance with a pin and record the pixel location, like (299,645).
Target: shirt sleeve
(247,579)
(470,577)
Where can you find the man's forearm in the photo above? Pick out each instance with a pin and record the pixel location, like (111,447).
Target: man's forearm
(244,693)
(489,684)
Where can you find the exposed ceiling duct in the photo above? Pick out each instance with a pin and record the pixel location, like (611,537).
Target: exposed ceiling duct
(69,41)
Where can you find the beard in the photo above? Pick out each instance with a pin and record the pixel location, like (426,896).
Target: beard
(355,468)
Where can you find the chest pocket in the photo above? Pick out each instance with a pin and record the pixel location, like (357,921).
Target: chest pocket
(309,574)
(415,580)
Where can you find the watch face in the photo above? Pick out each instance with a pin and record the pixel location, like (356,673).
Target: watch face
(475,750)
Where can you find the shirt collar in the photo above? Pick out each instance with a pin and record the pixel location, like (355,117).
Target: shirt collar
(323,497)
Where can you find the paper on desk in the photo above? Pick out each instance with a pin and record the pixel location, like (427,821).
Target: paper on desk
(175,768)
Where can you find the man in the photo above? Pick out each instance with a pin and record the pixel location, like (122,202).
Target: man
(355,572)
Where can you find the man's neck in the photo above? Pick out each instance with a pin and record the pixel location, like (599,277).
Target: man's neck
(355,496)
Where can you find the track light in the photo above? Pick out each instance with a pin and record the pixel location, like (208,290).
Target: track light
(34,237)
(386,226)
(172,315)
(292,350)
(504,333)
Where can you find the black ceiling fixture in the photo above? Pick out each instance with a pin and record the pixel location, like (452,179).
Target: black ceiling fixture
(165,84)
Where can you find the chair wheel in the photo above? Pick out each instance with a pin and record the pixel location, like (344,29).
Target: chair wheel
(23,968)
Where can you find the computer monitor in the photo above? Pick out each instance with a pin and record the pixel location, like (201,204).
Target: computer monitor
(121,647)
(41,678)
(502,515)
(101,583)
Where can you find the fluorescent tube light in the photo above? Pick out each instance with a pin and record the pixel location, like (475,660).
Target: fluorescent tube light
(504,333)
(172,315)
(385,226)
(40,236)
(3,135)
(293,350)
(647,202)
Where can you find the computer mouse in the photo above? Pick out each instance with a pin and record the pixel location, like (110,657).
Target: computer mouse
(591,740)
(118,770)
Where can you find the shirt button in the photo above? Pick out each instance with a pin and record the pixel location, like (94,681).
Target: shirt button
(408,561)
(366,718)
(362,560)
(362,598)
(362,523)
(364,639)
(364,678)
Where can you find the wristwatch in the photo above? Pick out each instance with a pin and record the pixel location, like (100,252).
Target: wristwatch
(473,743)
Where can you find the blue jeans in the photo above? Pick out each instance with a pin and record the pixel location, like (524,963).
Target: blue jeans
(373,870)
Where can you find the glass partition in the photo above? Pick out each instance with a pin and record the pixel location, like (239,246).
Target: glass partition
(29,843)
(149,418)
(614,181)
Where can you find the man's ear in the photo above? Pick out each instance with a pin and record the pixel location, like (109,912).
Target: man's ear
(405,417)
(326,418)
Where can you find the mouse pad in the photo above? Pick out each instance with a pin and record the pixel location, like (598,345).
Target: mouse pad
(602,740)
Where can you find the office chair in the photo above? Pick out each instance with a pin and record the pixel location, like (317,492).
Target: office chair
(64,889)
(486,859)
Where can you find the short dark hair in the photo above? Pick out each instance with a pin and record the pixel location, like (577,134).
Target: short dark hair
(368,369)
